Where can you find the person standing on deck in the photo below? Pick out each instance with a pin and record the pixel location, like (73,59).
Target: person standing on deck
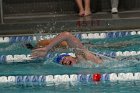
(114,5)
(84,10)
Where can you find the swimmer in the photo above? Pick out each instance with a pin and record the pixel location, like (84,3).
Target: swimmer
(65,39)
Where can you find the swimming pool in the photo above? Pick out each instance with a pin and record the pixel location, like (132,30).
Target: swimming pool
(18,70)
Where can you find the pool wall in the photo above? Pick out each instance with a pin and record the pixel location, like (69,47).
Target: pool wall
(69,23)
(58,17)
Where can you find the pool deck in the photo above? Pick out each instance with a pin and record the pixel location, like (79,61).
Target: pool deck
(100,21)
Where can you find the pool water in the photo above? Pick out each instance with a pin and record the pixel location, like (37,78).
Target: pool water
(47,67)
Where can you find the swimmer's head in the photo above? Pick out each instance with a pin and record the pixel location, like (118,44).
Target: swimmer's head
(66,60)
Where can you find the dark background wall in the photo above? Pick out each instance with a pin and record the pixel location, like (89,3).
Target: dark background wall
(61,6)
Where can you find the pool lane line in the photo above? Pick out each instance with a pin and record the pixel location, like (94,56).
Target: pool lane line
(27,57)
(105,35)
(60,79)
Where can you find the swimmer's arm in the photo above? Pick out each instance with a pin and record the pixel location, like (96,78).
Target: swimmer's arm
(72,41)
(92,57)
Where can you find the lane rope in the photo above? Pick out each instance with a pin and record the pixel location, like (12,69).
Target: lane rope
(82,78)
(23,57)
(106,35)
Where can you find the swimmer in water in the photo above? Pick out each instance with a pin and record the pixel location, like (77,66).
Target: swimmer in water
(64,39)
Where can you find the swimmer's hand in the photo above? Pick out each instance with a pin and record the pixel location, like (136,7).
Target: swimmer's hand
(38,53)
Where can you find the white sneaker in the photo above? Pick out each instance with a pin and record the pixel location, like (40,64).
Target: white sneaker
(114,10)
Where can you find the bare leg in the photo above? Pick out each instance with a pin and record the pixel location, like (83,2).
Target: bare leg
(80,6)
(87,7)
(114,4)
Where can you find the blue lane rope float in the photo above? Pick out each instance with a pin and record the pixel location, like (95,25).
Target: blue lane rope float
(14,39)
(108,35)
(23,57)
(60,79)
(20,38)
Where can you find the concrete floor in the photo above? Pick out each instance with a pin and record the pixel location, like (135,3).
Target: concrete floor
(21,24)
